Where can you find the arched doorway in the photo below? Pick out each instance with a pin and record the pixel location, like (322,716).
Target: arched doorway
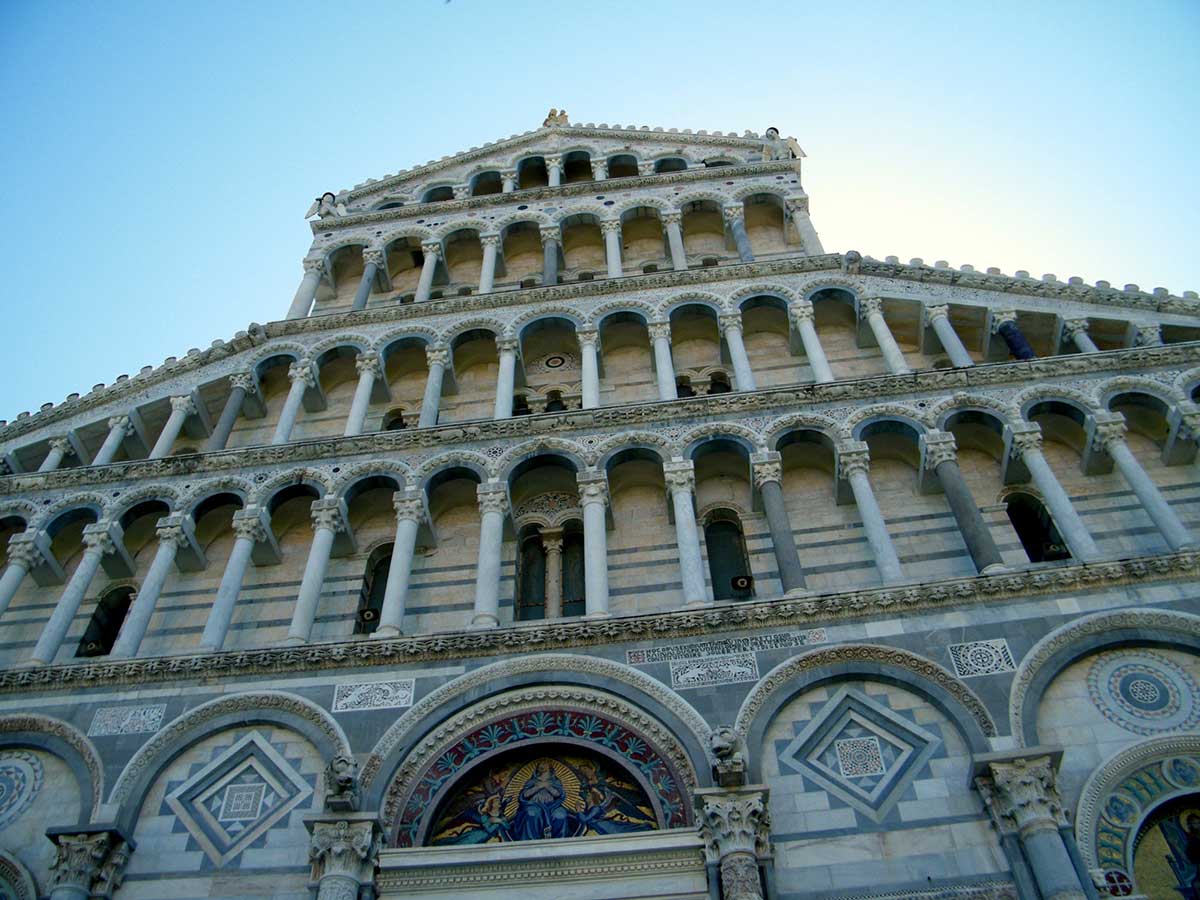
(1166,853)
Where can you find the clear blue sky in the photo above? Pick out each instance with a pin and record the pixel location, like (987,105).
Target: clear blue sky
(159,156)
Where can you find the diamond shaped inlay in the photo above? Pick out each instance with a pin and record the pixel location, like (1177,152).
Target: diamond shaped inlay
(237,797)
(861,752)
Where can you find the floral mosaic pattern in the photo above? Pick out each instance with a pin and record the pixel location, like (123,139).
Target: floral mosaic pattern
(1144,693)
(590,728)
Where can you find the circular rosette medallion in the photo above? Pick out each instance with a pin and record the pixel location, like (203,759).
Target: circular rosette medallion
(1143,692)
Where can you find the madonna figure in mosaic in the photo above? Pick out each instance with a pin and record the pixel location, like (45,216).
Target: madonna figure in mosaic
(524,799)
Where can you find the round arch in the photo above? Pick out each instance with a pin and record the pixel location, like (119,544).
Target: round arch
(69,744)
(480,465)
(314,478)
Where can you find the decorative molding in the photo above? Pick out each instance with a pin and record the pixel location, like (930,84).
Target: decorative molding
(32,722)
(373,695)
(115,720)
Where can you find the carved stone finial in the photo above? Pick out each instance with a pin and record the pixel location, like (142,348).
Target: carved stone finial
(341,784)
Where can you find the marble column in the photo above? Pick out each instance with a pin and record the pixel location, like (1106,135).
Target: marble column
(506,377)
(1027,443)
(432,251)
(437,358)
(551,237)
(803,319)
(303,375)
(768,478)
(1076,331)
(681,480)
(60,448)
(410,508)
(368,368)
(735,219)
(1020,794)
(736,828)
(804,228)
(493,502)
(343,850)
(1109,436)
(508,182)
(593,497)
(731,330)
(250,526)
(1004,323)
(172,535)
(590,366)
(181,408)
(872,309)
(241,384)
(664,366)
(118,429)
(554,165)
(89,862)
(314,268)
(372,263)
(327,521)
(939,318)
(941,458)
(552,545)
(23,555)
(599,169)
(99,538)
(854,464)
(673,222)
(487,272)
(612,246)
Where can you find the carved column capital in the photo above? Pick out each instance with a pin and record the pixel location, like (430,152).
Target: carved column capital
(408,505)
(1149,334)
(593,487)
(373,258)
(437,355)
(492,497)
(92,862)
(508,175)
(1110,429)
(679,475)
(1072,327)
(766,467)
(733,213)
(933,313)
(368,362)
(727,321)
(507,344)
(801,311)
(870,307)
(171,530)
(736,827)
(553,162)
(314,264)
(552,540)
(675,217)
(99,536)
(797,205)
(551,234)
(659,330)
(23,550)
(1021,794)
(853,457)
(343,851)
(461,191)
(940,447)
(183,404)
(327,513)
(248,523)
(431,248)
(1026,437)
(610,226)
(303,370)
(120,423)
(1003,317)
(489,240)
(247,381)
(62,445)
(599,169)
(587,337)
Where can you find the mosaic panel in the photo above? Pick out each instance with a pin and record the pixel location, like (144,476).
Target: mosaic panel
(21,778)
(113,720)
(1143,692)
(860,752)
(373,695)
(733,669)
(779,640)
(246,790)
(525,799)
(981,658)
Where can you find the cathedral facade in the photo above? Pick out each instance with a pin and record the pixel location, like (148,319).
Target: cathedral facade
(586,530)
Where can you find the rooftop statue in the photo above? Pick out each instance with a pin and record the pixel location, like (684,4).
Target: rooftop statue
(554,117)
(775,147)
(326,207)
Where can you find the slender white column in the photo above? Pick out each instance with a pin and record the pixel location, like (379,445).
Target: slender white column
(590,366)
(241,384)
(487,272)
(368,369)
(803,319)
(767,469)
(372,263)
(303,375)
(672,222)
(181,408)
(554,170)
(804,228)
(735,218)
(23,555)
(307,292)
(171,536)
(612,246)
(1110,436)
(432,251)
(437,358)
(872,308)
(731,330)
(660,335)
(327,522)
(60,448)
(551,238)
(1027,441)
(552,545)
(118,428)
(508,181)
(1076,330)
(680,479)
(97,541)
(599,169)
(493,502)
(593,497)
(506,378)
(939,318)
(249,527)
(854,461)
(409,510)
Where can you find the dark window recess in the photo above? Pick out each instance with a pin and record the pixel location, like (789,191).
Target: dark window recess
(520,406)
(554,402)
(394,421)
(531,581)
(683,388)
(1035,528)
(370,598)
(573,603)
(106,622)
(719,383)
(727,561)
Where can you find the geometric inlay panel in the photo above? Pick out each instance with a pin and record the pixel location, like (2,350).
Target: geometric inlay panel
(861,752)
(1144,692)
(238,797)
(981,658)
(20,782)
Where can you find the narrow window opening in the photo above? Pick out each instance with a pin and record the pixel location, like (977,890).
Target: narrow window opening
(106,623)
